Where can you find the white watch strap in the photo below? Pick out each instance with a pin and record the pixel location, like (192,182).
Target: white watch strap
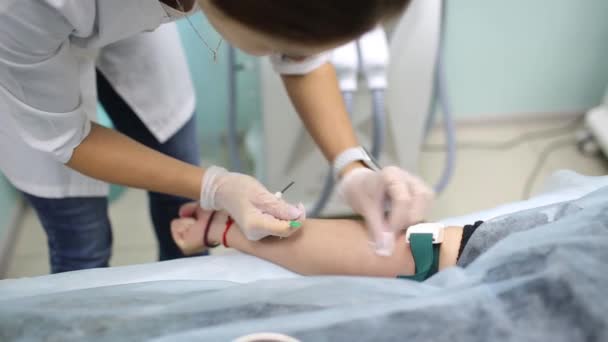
(435,228)
(348,156)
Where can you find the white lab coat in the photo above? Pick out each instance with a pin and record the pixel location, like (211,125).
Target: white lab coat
(48,53)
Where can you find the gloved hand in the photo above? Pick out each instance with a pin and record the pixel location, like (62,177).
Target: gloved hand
(367,191)
(257,212)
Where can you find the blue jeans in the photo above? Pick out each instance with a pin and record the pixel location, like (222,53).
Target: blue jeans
(79,230)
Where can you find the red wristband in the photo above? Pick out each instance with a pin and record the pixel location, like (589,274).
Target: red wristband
(229,223)
(206,234)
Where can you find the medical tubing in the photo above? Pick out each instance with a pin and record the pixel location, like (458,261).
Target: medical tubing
(432,113)
(379,122)
(233,136)
(328,187)
(349,101)
(446,108)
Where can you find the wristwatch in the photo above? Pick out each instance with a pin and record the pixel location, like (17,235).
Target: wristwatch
(352,155)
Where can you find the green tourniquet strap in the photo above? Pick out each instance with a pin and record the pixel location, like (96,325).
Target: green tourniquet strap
(426,256)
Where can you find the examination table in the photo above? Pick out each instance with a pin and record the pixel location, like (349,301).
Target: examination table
(547,283)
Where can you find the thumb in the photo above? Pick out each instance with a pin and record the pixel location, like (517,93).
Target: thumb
(303,210)
(384,239)
(259,225)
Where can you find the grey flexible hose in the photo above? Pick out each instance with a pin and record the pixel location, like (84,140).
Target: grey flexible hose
(448,124)
(328,187)
(379,122)
(441,100)
(233,136)
(349,101)
(446,108)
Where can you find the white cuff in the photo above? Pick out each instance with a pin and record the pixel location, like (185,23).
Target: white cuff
(209,187)
(286,66)
(351,155)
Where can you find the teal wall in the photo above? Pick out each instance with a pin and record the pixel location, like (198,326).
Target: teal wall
(209,76)
(8,204)
(524,56)
(210,82)
(503,57)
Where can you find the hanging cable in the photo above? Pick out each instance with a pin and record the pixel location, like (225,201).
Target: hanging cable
(233,136)
(544,155)
(511,143)
(379,122)
(328,187)
(446,108)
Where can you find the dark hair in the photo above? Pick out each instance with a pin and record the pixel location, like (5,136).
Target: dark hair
(311,21)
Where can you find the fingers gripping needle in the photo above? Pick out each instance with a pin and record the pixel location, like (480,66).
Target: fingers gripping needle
(292,224)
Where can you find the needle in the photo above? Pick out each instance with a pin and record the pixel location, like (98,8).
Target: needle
(287,187)
(280,193)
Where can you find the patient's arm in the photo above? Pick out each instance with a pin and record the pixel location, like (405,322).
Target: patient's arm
(320,247)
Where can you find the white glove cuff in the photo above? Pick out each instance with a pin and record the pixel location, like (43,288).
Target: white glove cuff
(351,155)
(344,181)
(209,187)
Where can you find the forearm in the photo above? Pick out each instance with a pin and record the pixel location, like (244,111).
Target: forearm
(318,100)
(113,157)
(322,247)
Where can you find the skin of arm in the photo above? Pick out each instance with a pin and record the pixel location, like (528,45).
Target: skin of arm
(317,98)
(115,158)
(320,247)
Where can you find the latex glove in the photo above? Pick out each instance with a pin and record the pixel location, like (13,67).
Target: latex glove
(256,211)
(367,191)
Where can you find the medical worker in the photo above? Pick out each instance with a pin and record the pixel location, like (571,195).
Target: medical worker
(53,53)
